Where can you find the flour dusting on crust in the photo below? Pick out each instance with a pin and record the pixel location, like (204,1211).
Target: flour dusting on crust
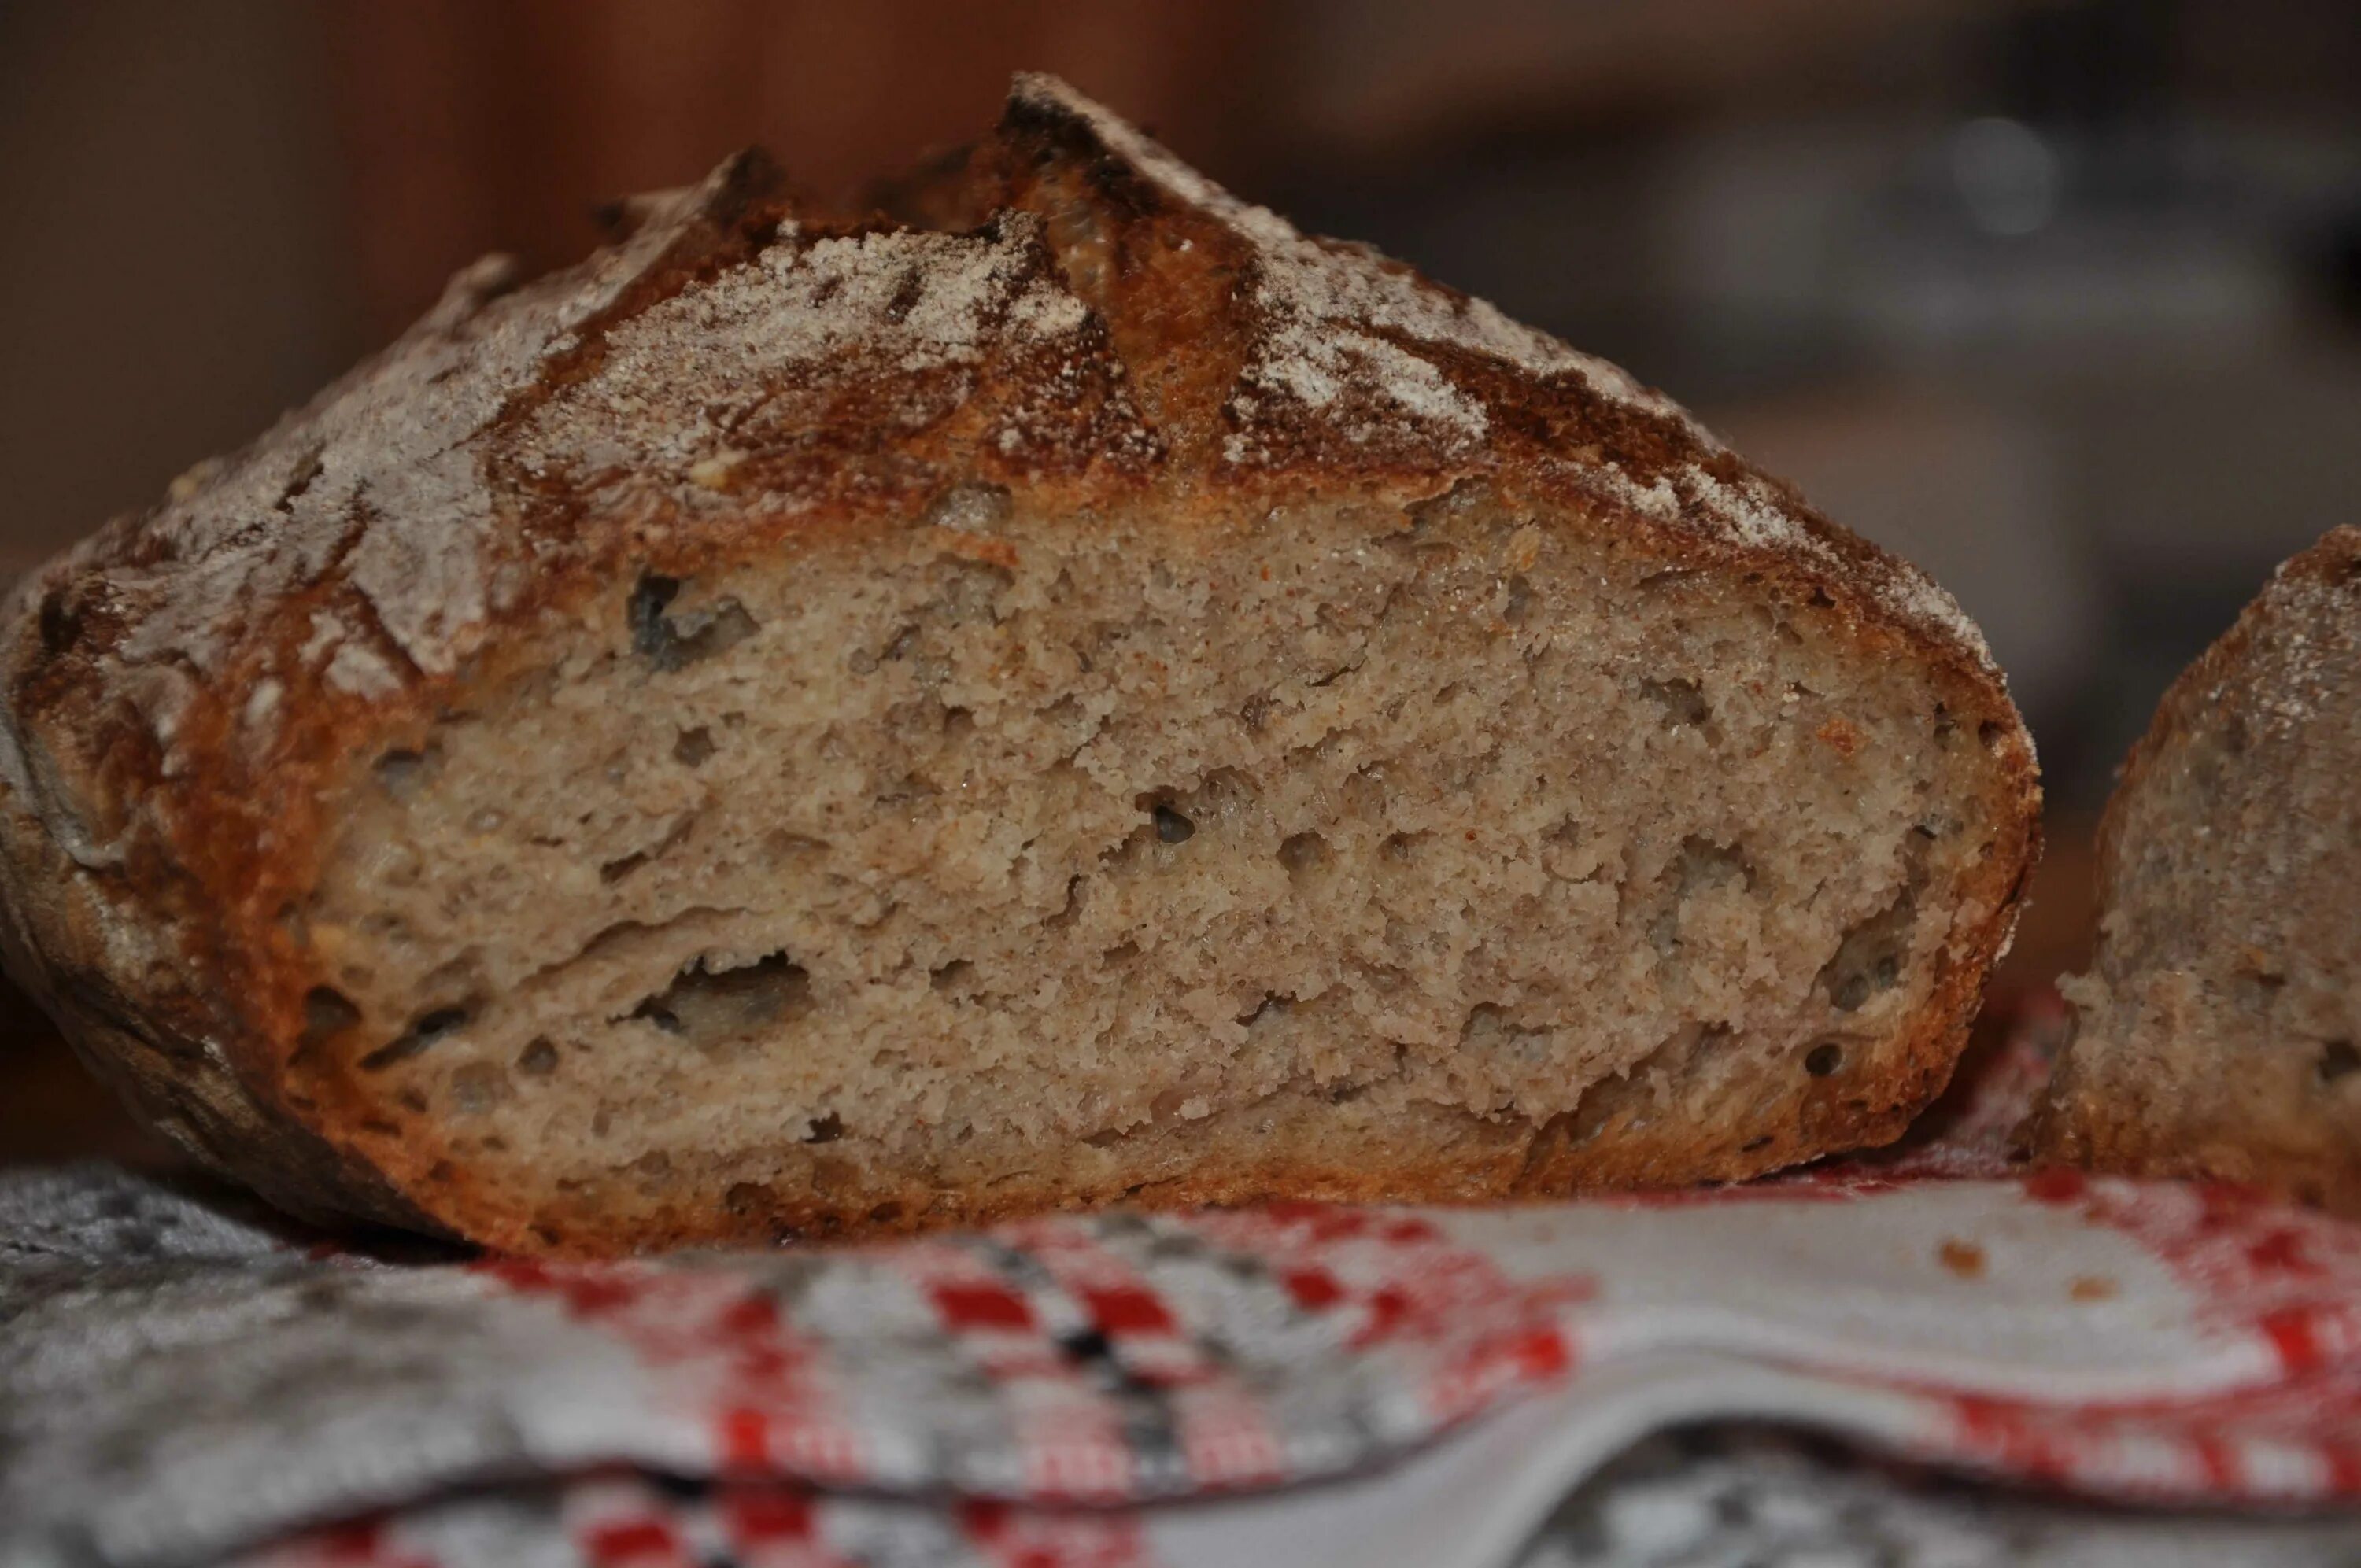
(373,540)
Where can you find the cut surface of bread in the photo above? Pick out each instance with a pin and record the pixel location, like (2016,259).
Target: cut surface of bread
(1075,693)
(2219,1032)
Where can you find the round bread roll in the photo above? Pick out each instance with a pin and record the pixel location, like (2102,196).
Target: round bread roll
(1070,693)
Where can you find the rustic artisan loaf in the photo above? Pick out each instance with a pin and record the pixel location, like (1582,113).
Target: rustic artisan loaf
(1074,693)
(2219,1034)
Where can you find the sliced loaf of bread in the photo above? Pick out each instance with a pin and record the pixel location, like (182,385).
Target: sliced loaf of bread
(1074,692)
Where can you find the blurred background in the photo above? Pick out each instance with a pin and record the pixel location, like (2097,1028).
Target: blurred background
(2060,300)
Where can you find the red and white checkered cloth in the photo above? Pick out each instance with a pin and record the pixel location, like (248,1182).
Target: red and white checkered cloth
(184,1381)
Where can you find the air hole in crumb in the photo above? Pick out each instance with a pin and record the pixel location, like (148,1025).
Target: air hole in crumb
(2337,1060)
(402,773)
(669,642)
(1171,827)
(1490,1028)
(1272,1005)
(1255,712)
(693,747)
(538,1059)
(327,1012)
(968,592)
(1869,961)
(1753,1145)
(885,1213)
(824,1129)
(1990,732)
(1517,603)
(477,1087)
(743,1197)
(1704,864)
(951,976)
(1077,895)
(1302,853)
(1401,846)
(616,869)
(1819,600)
(432,1025)
(1683,702)
(1824,1058)
(703,1006)
(782,848)
(1120,954)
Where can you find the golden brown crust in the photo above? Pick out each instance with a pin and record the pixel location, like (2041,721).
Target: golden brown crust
(2093,1116)
(1073,315)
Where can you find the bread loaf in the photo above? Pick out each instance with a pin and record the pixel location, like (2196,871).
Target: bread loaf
(2216,1034)
(1069,692)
